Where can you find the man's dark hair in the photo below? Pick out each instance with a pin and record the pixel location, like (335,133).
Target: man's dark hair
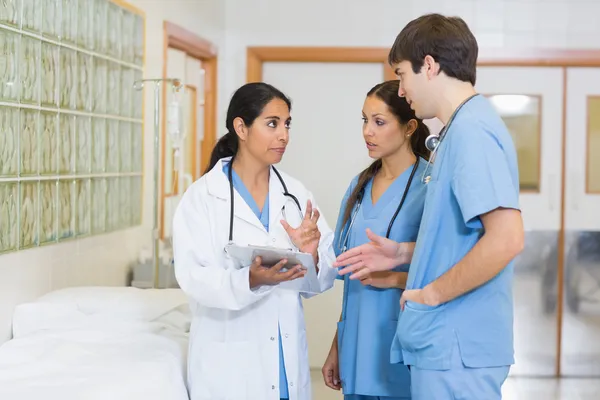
(447,39)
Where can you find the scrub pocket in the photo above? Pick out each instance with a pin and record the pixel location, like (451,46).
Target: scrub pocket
(424,332)
(395,373)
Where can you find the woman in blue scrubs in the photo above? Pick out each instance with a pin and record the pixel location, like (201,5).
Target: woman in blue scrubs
(387,198)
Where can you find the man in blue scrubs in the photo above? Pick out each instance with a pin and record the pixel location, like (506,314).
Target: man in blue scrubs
(456,327)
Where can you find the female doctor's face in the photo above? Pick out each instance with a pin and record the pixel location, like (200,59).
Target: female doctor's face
(267,137)
(384,135)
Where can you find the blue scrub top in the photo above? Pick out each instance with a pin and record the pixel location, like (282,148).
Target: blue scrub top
(369,314)
(264,219)
(474,172)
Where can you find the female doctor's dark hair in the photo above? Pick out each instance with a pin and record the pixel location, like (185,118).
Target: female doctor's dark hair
(388,93)
(246,103)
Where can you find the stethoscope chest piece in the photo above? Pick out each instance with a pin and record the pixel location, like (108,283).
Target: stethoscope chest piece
(432,142)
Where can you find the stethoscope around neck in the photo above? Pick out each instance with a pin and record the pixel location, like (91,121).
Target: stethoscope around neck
(433,141)
(344,240)
(231,194)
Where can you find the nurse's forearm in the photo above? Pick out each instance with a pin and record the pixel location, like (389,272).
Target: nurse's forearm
(500,244)
(405,252)
(400,279)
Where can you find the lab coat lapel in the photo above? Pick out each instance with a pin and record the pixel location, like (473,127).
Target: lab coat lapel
(218,186)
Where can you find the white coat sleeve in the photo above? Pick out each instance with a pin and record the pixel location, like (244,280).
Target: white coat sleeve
(327,272)
(196,268)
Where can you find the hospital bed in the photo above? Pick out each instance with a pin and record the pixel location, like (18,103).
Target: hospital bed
(94,343)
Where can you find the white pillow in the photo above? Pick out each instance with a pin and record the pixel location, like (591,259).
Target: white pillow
(63,307)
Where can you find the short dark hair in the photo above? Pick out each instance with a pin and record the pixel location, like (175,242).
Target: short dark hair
(447,39)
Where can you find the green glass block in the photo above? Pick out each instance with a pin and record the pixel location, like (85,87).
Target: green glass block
(66,209)
(84,82)
(9,198)
(112,153)
(128,36)
(99,210)
(115,34)
(51,21)
(10,12)
(48,213)
(69,21)
(136,200)
(9,65)
(137,147)
(125,208)
(98,145)
(127,91)
(29,70)
(139,40)
(83,204)
(112,204)
(32,17)
(48,143)
(29,142)
(138,97)
(29,215)
(100,26)
(49,75)
(100,77)
(66,146)
(113,89)
(125,146)
(68,79)
(84,144)
(9,141)
(85,17)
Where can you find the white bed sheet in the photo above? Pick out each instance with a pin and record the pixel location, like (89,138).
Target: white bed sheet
(66,348)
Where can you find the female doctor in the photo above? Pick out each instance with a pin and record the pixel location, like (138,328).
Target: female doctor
(387,199)
(248,339)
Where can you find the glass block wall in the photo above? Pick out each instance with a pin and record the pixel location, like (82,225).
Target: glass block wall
(70,120)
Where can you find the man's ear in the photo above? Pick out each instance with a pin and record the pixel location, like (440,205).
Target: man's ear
(430,67)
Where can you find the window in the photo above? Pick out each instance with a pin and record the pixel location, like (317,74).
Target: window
(521,114)
(70,120)
(593,145)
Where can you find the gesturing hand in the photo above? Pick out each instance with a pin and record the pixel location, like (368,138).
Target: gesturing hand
(261,275)
(305,237)
(380,254)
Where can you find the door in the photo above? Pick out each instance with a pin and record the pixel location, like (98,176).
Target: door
(581,315)
(325,152)
(529,100)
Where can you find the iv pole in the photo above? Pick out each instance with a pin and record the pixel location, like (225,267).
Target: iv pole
(139,85)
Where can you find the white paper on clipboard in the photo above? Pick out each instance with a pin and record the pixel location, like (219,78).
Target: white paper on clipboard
(245,255)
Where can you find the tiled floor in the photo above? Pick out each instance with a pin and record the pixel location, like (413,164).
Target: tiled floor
(514,389)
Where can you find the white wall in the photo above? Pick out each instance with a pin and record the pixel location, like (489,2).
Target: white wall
(103,260)
(496,23)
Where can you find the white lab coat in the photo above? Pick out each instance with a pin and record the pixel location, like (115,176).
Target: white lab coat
(234,340)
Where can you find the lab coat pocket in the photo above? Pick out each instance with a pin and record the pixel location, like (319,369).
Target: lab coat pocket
(423,331)
(224,371)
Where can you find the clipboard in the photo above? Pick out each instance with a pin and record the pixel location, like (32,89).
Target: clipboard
(245,255)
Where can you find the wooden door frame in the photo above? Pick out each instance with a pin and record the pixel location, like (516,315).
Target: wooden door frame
(179,38)
(500,57)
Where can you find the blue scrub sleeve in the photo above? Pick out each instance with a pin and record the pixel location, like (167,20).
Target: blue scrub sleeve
(483,179)
(339,229)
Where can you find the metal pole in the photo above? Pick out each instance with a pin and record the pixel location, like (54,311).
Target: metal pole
(139,85)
